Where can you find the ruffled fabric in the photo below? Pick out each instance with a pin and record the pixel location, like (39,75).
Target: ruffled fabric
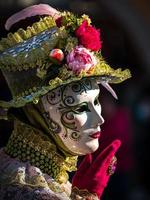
(20,180)
(21,35)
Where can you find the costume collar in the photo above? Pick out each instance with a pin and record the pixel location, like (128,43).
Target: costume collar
(29,144)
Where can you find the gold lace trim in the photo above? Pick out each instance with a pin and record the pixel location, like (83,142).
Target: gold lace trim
(29,144)
(77,194)
(36,58)
(22,35)
(102,72)
(66,76)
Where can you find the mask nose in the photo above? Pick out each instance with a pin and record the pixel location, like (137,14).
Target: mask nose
(101,120)
(98,120)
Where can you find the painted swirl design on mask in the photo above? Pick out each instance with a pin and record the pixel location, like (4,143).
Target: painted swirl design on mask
(68,100)
(52,125)
(54,97)
(79,87)
(75,136)
(67,119)
(67,108)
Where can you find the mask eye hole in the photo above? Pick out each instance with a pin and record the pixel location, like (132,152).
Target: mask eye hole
(96,101)
(82,108)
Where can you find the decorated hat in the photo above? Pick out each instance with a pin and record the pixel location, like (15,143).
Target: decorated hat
(56,50)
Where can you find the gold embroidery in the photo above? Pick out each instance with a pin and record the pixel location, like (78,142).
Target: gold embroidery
(29,144)
(78,194)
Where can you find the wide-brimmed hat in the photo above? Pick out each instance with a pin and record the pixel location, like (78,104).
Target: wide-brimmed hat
(58,49)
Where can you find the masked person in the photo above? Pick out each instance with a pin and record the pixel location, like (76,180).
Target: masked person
(52,63)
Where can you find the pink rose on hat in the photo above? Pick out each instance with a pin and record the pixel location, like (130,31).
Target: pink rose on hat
(80,59)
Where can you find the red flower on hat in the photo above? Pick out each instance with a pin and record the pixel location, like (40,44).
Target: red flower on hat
(59,21)
(88,36)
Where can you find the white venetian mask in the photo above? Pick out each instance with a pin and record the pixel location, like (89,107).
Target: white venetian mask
(77,112)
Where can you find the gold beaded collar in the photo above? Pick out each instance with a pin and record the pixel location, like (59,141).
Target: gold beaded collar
(29,144)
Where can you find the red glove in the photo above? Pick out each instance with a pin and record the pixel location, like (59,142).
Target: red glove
(94,171)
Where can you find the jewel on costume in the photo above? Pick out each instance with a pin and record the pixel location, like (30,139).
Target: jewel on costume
(112,166)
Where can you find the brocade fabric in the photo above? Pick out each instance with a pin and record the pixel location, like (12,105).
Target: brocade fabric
(22,181)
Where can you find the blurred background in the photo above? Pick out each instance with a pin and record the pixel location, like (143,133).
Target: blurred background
(125,32)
